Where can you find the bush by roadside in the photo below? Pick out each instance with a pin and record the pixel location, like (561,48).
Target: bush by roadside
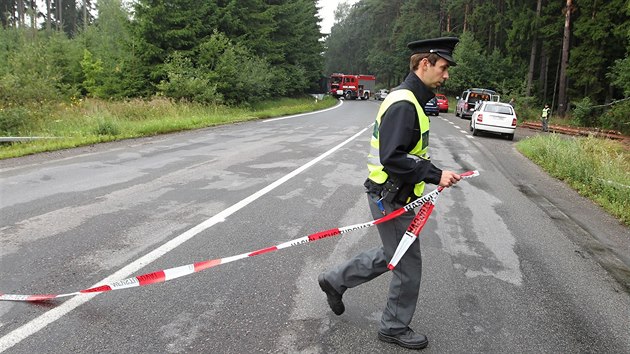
(597,168)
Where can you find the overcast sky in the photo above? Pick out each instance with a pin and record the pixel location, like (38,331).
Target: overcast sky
(327,12)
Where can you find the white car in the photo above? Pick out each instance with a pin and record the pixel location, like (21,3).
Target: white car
(381,94)
(494,117)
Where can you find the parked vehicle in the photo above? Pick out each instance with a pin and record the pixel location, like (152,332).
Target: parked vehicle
(381,94)
(442,102)
(352,87)
(469,98)
(431,108)
(495,117)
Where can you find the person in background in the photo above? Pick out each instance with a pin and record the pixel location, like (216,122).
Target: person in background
(546,114)
(399,167)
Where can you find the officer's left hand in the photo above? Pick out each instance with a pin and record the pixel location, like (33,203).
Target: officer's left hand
(449,178)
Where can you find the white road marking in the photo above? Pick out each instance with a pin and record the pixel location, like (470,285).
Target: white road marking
(304,114)
(35,325)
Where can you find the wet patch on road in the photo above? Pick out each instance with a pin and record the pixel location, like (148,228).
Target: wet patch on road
(596,248)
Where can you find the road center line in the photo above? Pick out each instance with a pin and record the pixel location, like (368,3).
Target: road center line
(48,317)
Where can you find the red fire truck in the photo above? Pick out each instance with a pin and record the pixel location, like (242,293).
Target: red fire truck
(352,87)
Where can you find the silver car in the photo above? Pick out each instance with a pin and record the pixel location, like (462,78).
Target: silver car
(494,117)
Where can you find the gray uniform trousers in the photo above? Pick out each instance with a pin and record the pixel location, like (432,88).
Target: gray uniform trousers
(405,283)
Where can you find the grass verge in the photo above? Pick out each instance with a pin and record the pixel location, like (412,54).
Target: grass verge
(91,121)
(598,169)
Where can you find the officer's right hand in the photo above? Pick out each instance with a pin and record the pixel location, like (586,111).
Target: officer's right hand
(449,178)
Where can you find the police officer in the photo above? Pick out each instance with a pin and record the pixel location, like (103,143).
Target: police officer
(398,167)
(544,117)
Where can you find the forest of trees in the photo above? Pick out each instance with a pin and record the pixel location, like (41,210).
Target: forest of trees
(541,51)
(568,53)
(225,52)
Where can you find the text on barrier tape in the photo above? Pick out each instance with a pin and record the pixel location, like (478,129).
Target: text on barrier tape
(426,201)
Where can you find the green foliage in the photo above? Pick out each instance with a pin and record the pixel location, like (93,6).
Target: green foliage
(617,118)
(527,108)
(185,82)
(600,29)
(583,112)
(13,120)
(239,75)
(296,49)
(163,27)
(471,66)
(476,69)
(92,70)
(274,48)
(111,43)
(107,127)
(596,168)
(620,75)
(29,74)
(347,47)
(259,40)
(497,40)
(64,57)
(244,77)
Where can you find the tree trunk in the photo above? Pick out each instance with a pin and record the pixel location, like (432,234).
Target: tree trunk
(48,16)
(498,25)
(555,81)
(532,66)
(442,11)
(448,22)
(532,56)
(562,85)
(34,14)
(85,4)
(20,11)
(466,9)
(59,15)
(490,33)
(544,73)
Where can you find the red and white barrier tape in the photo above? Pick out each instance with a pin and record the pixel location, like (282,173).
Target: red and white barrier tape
(177,272)
(413,231)
(418,222)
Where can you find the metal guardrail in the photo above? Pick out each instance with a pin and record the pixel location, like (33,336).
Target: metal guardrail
(318,96)
(11,139)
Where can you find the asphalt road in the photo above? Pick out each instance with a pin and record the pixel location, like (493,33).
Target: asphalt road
(514,261)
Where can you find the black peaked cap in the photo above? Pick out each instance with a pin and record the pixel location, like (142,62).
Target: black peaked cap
(442,46)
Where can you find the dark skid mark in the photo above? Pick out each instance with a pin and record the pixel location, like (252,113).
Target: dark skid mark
(604,255)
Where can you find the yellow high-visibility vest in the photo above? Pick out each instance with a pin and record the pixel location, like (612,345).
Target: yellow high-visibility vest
(377,174)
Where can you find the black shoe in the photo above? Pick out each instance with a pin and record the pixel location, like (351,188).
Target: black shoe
(409,339)
(333,297)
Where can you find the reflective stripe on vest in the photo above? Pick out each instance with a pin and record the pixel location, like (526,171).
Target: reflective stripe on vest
(377,174)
